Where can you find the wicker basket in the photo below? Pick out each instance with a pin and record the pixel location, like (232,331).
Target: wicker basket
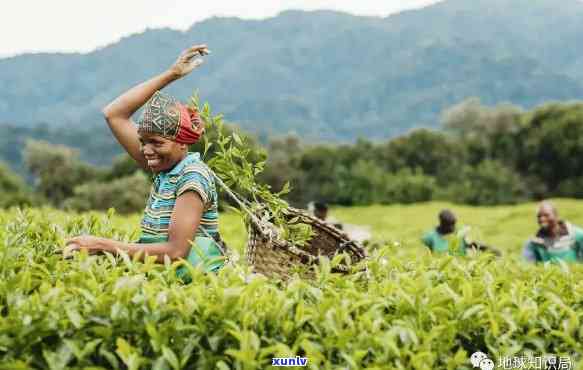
(271,255)
(274,257)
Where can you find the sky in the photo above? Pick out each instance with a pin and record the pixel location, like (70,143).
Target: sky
(82,25)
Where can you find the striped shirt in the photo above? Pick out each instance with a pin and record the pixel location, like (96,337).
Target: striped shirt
(190,174)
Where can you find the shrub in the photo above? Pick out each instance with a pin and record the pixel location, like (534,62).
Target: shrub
(13,190)
(127,194)
(489,183)
(408,186)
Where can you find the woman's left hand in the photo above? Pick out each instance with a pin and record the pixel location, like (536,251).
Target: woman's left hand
(92,244)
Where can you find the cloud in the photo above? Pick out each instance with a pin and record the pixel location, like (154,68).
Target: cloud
(62,25)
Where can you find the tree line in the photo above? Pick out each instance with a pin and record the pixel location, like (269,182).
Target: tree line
(481,156)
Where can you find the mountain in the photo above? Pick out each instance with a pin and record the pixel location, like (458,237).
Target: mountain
(325,75)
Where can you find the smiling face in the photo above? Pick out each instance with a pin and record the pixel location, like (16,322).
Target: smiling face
(161,153)
(547,216)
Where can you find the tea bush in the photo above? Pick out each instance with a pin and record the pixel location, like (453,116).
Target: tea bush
(409,310)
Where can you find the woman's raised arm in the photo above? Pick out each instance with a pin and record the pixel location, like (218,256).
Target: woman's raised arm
(118,113)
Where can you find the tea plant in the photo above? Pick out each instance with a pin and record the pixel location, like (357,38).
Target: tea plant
(231,162)
(410,310)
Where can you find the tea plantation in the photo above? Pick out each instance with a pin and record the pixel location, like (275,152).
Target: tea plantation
(408,310)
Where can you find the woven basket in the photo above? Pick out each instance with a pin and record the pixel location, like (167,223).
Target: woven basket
(274,257)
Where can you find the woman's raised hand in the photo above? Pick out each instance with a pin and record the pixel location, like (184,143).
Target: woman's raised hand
(188,60)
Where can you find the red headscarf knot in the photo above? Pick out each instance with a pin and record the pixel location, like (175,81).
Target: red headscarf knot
(191,126)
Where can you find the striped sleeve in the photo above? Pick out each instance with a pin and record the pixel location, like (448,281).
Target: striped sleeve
(194,178)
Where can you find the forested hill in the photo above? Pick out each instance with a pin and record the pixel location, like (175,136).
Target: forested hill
(326,75)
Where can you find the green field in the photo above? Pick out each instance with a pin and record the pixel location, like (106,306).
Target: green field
(506,227)
(410,310)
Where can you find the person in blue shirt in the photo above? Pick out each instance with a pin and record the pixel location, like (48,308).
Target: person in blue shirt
(556,239)
(445,238)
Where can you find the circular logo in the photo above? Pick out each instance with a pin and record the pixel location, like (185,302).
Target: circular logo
(487,364)
(477,357)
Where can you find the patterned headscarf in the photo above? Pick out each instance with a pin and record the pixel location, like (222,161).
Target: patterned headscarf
(165,116)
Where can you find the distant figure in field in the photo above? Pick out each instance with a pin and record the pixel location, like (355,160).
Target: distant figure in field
(445,239)
(359,233)
(556,239)
(320,211)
